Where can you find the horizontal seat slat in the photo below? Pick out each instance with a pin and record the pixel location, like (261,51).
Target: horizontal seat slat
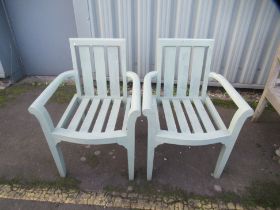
(113,115)
(127,108)
(79,114)
(215,115)
(101,115)
(203,115)
(90,115)
(169,115)
(68,112)
(180,116)
(192,116)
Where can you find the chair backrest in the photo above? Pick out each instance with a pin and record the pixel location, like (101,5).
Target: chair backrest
(189,61)
(99,60)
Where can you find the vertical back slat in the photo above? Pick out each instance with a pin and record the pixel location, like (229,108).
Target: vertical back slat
(100,70)
(75,66)
(113,65)
(86,70)
(123,65)
(207,71)
(196,70)
(159,67)
(169,70)
(183,69)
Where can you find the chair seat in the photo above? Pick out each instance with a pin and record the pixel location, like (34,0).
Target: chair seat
(95,115)
(187,116)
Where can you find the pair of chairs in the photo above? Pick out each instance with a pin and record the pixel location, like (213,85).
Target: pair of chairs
(91,115)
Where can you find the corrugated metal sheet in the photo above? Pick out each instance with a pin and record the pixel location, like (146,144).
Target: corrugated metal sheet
(246,32)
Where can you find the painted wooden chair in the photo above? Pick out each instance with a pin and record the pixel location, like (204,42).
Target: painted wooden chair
(191,118)
(271,91)
(91,115)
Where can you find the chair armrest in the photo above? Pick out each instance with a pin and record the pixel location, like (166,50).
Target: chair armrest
(38,109)
(244,110)
(147,92)
(136,94)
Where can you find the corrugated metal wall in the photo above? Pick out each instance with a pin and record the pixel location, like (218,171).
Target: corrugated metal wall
(246,32)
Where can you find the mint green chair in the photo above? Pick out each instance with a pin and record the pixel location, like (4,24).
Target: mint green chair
(92,58)
(190,115)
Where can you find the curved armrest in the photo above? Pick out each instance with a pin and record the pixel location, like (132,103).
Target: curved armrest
(244,110)
(37,107)
(147,92)
(136,94)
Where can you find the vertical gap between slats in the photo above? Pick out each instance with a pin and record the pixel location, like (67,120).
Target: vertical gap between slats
(187,117)
(198,117)
(90,115)
(84,115)
(107,117)
(175,117)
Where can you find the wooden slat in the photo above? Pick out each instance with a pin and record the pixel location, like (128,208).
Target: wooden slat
(86,66)
(192,116)
(183,70)
(196,71)
(169,115)
(113,66)
(203,115)
(79,114)
(215,115)
(100,70)
(68,112)
(169,70)
(127,108)
(180,116)
(113,115)
(101,115)
(90,115)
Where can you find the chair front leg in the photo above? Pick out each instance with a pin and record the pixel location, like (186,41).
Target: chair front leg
(131,155)
(47,126)
(57,156)
(222,159)
(151,145)
(150,155)
(130,143)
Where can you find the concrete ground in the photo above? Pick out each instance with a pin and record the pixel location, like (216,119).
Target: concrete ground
(24,154)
